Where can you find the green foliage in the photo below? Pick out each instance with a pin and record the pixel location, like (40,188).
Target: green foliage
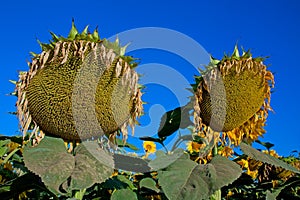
(58,168)
(149,183)
(50,161)
(257,155)
(185,179)
(124,194)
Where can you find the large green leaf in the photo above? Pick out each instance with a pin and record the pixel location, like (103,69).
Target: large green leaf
(123,194)
(130,163)
(257,155)
(93,165)
(227,171)
(50,161)
(163,160)
(185,179)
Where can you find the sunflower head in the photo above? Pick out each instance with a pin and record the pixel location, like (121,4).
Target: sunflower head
(79,87)
(232,96)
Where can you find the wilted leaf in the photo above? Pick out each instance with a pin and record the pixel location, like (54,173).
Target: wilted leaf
(257,155)
(93,165)
(50,161)
(163,160)
(123,194)
(149,183)
(185,179)
(130,163)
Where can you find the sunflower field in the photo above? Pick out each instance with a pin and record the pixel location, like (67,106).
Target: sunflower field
(64,154)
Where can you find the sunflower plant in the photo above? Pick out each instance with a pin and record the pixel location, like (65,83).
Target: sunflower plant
(68,153)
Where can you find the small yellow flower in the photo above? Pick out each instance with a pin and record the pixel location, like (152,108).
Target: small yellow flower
(253,174)
(150,147)
(271,153)
(230,193)
(194,146)
(226,152)
(244,163)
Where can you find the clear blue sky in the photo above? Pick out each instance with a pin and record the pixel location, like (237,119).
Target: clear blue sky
(269,28)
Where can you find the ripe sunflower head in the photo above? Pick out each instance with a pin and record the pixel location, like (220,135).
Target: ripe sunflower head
(232,96)
(79,87)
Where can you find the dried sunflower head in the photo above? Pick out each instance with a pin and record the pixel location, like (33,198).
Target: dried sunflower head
(79,87)
(232,96)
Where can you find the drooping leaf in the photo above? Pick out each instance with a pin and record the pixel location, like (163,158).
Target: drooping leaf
(172,120)
(130,163)
(159,140)
(50,161)
(163,160)
(93,165)
(185,179)
(268,145)
(123,194)
(149,183)
(257,155)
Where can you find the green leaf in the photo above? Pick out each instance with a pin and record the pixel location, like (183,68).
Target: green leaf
(268,145)
(163,160)
(265,158)
(3,151)
(118,182)
(172,120)
(123,194)
(185,179)
(93,165)
(273,195)
(125,180)
(120,143)
(130,163)
(146,138)
(227,171)
(50,161)
(149,183)
(4,142)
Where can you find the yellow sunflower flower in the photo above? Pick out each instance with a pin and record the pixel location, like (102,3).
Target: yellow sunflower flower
(149,146)
(226,152)
(271,153)
(253,174)
(232,97)
(194,146)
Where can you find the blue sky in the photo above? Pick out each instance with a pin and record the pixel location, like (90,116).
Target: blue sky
(269,28)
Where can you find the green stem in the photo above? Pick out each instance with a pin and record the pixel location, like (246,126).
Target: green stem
(79,194)
(215,150)
(10,155)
